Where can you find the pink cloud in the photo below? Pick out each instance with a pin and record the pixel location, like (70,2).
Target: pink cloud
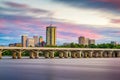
(115,20)
(2,22)
(76,31)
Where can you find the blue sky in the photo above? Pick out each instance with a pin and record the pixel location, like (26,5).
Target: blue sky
(95,19)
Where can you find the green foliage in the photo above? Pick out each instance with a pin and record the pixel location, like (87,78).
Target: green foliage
(7,53)
(75,45)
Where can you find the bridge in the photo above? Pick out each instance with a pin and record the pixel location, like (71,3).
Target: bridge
(34,52)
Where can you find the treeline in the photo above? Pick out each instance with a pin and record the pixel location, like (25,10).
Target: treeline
(104,45)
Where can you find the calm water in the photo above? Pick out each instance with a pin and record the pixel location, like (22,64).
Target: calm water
(60,69)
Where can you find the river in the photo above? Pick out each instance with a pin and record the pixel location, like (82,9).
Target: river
(60,69)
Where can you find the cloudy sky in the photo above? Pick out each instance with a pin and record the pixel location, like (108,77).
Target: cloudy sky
(96,19)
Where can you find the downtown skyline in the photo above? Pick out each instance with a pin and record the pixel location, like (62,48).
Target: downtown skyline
(96,19)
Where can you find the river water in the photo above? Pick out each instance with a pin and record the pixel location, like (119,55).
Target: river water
(60,69)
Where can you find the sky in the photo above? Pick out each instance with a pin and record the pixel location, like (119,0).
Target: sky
(95,19)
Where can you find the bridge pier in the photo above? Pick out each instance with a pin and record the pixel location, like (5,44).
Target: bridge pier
(47,54)
(61,54)
(97,55)
(90,54)
(73,54)
(66,54)
(0,54)
(114,55)
(110,54)
(78,54)
(105,54)
(93,55)
(14,55)
(19,56)
(36,55)
(32,55)
(118,54)
(52,54)
(86,54)
(100,54)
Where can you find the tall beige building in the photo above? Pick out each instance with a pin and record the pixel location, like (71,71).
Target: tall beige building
(51,35)
(24,40)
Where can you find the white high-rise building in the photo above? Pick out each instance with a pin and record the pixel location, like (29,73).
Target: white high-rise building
(30,42)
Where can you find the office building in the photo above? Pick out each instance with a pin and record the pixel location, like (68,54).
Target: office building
(30,42)
(91,41)
(40,39)
(24,40)
(36,40)
(81,40)
(51,35)
(86,41)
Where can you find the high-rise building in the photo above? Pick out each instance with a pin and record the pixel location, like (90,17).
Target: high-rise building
(36,40)
(24,40)
(51,35)
(91,41)
(40,39)
(84,41)
(81,40)
(87,41)
(30,42)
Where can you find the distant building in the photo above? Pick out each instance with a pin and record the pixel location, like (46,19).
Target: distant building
(24,40)
(86,41)
(11,45)
(18,45)
(30,42)
(36,40)
(15,45)
(81,40)
(40,41)
(65,44)
(91,41)
(114,42)
(43,44)
(51,35)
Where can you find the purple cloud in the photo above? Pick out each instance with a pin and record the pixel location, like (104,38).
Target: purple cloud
(16,5)
(26,8)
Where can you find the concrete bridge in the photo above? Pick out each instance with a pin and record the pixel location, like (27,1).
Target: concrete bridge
(34,52)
